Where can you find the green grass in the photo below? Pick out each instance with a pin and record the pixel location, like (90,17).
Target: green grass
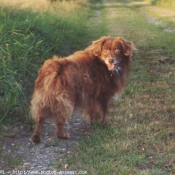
(141,139)
(28,36)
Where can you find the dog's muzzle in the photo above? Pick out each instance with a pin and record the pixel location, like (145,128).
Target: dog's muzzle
(113,65)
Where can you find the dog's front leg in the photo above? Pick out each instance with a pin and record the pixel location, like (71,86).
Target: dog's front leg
(106,120)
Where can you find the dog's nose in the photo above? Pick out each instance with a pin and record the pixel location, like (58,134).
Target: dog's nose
(111,60)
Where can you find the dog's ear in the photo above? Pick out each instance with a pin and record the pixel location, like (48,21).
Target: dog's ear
(96,46)
(127,46)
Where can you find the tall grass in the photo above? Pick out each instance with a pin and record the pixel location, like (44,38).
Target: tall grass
(29,34)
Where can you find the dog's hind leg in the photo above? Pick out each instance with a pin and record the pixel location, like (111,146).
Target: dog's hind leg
(36,134)
(41,114)
(60,121)
(64,111)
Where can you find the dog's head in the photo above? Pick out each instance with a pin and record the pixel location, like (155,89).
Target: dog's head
(112,50)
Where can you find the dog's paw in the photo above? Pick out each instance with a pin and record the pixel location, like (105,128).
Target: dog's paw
(107,122)
(36,138)
(63,135)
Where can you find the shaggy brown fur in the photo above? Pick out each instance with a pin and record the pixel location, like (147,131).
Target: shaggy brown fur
(86,79)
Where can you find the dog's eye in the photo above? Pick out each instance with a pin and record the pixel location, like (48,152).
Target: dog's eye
(117,51)
(105,52)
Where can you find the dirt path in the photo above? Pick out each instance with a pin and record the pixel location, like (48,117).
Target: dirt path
(158,16)
(43,156)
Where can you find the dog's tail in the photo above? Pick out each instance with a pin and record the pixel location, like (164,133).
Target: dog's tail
(47,74)
(45,86)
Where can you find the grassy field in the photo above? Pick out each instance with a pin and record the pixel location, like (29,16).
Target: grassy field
(141,139)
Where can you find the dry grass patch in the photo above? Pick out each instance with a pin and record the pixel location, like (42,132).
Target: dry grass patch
(58,7)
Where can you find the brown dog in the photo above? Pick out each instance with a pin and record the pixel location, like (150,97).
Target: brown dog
(86,79)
